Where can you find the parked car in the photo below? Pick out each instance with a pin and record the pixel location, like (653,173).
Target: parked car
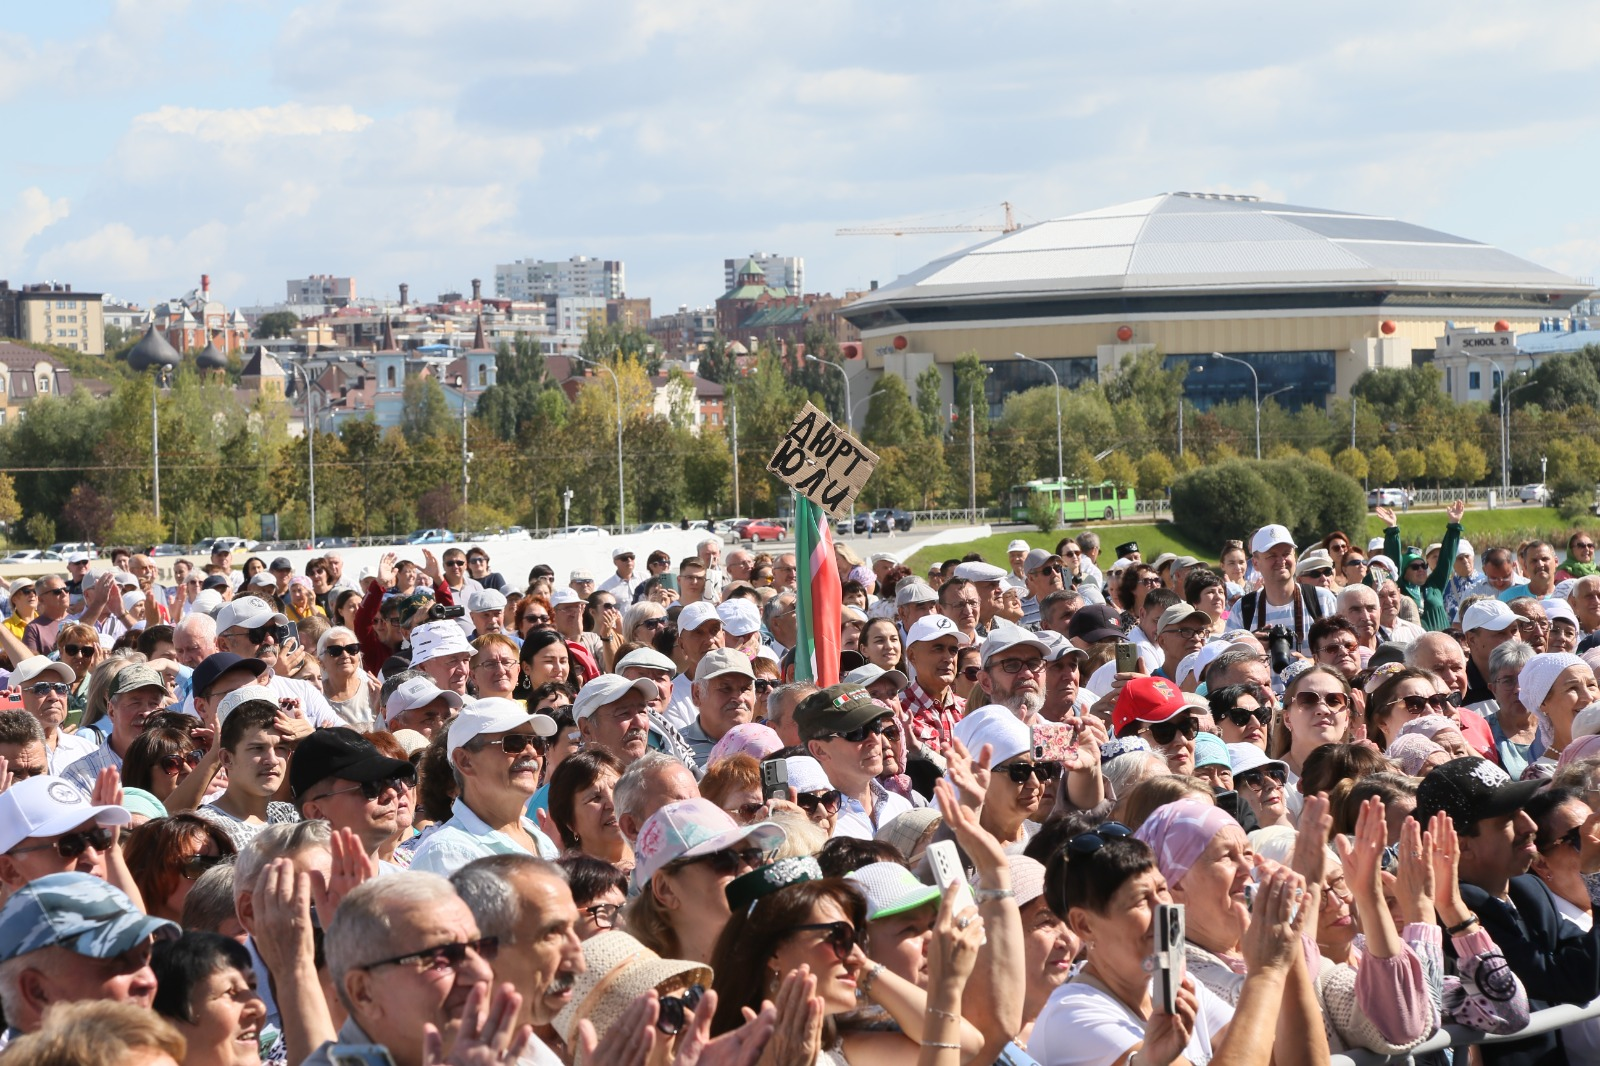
(1538,494)
(166,549)
(580,531)
(431,536)
(28,555)
(760,529)
(889,519)
(1387,498)
(64,548)
(232,544)
(659,527)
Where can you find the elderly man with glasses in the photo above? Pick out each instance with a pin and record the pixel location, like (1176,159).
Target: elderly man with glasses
(39,636)
(845,730)
(45,685)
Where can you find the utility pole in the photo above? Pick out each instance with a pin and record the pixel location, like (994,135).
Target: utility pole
(1353,402)
(735,400)
(1180,426)
(972,464)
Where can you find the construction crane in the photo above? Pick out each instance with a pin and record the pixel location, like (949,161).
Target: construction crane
(1010,226)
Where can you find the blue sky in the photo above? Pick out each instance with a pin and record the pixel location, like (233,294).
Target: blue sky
(150,141)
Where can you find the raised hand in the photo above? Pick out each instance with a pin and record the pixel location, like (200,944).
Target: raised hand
(1272,940)
(385,573)
(1447,901)
(107,792)
(971,775)
(5,774)
(1414,879)
(430,566)
(797,1022)
(631,1037)
(1363,856)
(979,844)
(1310,857)
(1385,515)
(740,1047)
(1456,510)
(1167,1035)
(283,917)
(1084,754)
(953,951)
(489,1036)
(351,866)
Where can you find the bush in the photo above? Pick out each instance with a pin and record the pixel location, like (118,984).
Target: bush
(1044,512)
(1234,498)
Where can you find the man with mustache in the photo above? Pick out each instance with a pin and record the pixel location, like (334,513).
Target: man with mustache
(496,749)
(525,903)
(137,692)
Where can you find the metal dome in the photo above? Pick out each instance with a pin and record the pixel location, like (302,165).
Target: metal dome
(152,351)
(210,357)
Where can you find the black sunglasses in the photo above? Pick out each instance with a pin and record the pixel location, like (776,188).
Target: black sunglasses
(765,685)
(1089,843)
(44,688)
(828,801)
(258,635)
(970,672)
(1164,733)
(876,728)
(194,866)
(842,937)
(654,623)
(1019,772)
(517,743)
(444,956)
(71,845)
(76,650)
(1421,704)
(1242,716)
(371,790)
(352,650)
(729,862)
(674,1009)
(1256,779)
(172,764)
(536,619)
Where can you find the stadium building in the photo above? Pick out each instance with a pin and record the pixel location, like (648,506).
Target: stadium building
(1308,297)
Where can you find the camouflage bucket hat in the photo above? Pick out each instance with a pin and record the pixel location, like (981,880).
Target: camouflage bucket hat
(79,912)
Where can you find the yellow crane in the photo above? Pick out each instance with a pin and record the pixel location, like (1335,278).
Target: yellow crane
(893,230)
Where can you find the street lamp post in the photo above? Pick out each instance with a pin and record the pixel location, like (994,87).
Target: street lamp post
(1505,442)
(1061,476)
(621,522)
(466,456)
(1255,378)
(304,375)
(162,376)
(848,408)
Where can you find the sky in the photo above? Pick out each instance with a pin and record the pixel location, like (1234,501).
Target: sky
(151,141)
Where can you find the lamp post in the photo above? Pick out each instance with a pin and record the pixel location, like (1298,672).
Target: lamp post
(848,408)
(621,521)
(1255,378)
(162,378)
(1505,442)
(466,456)
(304,375)
(1061,476)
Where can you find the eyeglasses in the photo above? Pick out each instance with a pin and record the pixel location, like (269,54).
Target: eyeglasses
(764,685)
(674,1009)
(1089,843)
(44,688)
(444,956)
(1578,544)
(1013,667)
(1051,569)
(352,650)
(1571,838)
(53,592)
(970,672)
(1416,566)
(71,845)
(504,666)
(653,623)
(1069,555)
(1149,582)
(626,557)
(371,790)
(1533,625)
(517,743)
(1310,701)
(876,728)
(1323,571)
(194,867)
(1358,564)
(604,605)
(77,650)
(1019,772)
(536,619)
(842,937)
(259,635)
(1423,704)
(729,862)
(1343,647)
(1164,733)
(1257,779)
(453,563)
(828,801)
(748,812)
(1242,717)
(172,764)
(603,915)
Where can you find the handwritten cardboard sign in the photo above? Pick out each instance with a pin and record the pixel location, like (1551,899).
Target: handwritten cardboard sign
(822,462)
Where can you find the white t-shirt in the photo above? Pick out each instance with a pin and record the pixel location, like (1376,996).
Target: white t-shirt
(1083,1026)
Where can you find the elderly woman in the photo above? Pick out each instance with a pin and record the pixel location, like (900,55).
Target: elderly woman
(206,986)
(582,810)
(1513,726)
(495,667)
(641,621)
(1106,885)
(1017,781)
(351,691)
(1555,686)
(1443,731)
(302,600)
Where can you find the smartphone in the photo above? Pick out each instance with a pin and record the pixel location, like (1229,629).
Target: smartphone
(360,1055)
(1169,968)
(669,581)
(1053,741)
(1127,657)
(946,865)
(1227,802)
(775,779)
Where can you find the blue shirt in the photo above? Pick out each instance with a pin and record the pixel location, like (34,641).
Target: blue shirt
(466,837)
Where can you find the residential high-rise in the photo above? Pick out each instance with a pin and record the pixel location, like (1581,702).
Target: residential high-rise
(51,313)
(580,276)
(782,271)
(322,289)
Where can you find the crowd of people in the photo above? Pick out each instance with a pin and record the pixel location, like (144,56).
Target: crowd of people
(261,816)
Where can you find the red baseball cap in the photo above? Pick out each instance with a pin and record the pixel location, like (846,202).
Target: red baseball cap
(1146,699)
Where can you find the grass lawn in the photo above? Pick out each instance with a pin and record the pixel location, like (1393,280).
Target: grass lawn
(1508,525)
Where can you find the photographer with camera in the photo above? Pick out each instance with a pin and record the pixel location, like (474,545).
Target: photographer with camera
(1281,612)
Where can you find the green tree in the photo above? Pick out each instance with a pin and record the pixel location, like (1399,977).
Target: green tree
(970,432)
(1382,468)
(1472,465)
(891,420)
(1081,464)
(40,530)
(1155,474)
(1351,463)
(1320,456)
(276,324)
(717,363)
(10,509)
(1411,465)
(1567,379)
(1120,471)
(707,469)
(1400,394)
(930,384)
(1441,460)
(425,412)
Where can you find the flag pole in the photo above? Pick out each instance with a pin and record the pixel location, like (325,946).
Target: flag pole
(805,528)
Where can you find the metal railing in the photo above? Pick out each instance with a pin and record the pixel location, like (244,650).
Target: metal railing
(1454,1036)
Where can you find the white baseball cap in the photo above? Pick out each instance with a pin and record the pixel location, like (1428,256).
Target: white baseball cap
(1463,547)
(696,614)
(1492,615)
(997,726)
(47,806)
(1018,546)
(418,692)
(77,557)
(580,575)
(34,665)
(233,700)
(932,627)
(247,612)
(1269,537)
(608,689)
(494,715)
(564,596)
(739,617)
(883,557)
(436,640)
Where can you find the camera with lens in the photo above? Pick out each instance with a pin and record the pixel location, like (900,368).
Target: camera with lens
(440,611)
(1280,643)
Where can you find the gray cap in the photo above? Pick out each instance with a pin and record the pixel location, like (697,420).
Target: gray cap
(721,661)
(79,912)
(915,592)
(1037,558)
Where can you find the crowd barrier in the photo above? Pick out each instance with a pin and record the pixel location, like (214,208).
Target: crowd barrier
(1454,1036)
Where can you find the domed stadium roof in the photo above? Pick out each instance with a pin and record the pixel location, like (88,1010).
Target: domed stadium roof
(1199,243)
(152,351)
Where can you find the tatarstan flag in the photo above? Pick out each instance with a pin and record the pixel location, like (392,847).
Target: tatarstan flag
(816,653)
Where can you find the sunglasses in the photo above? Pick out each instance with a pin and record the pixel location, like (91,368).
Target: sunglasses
(444,956)
(1577,544)
(654,623)
(878,728)
(842,937)
(748,812)
(1019,772)
(44,688)
(194,866)
(1257,779)
(1089,843)
(258,635)
(1422,704)
(970,672)
(1359,564)
(77,650)
(1417,566)
(517,743)
(1069,555)
(352,650)
(676,1009)
(1050,569)
(729,862)
(828,801)
(765,685)
(371,790)
(1308,701)
(172,764)
(1149,582)
(1242,717)
(1325,571)
(536,619)
(453,563)
(71,845)
(1164,733)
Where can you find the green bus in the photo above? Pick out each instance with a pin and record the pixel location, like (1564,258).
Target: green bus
(1076,500)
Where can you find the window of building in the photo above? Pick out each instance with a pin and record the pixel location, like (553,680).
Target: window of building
(391,377)
(1474,380)
(1212,381)
(1015,375)
(483,375)
(44,385)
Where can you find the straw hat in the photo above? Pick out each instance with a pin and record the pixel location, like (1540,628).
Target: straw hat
(618,968)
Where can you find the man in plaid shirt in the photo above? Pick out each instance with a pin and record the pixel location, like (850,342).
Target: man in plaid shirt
(930,703)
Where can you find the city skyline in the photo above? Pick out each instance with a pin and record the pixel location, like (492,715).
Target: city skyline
(396,142)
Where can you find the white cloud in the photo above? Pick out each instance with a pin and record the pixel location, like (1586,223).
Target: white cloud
(33,213)
(247,125)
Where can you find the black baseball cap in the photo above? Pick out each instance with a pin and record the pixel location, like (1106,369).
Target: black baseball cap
(1470,789)
(281,563)
(343,753)
(212,667)
(1094,623)
(1125,550)
(215,581)
(836,709)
